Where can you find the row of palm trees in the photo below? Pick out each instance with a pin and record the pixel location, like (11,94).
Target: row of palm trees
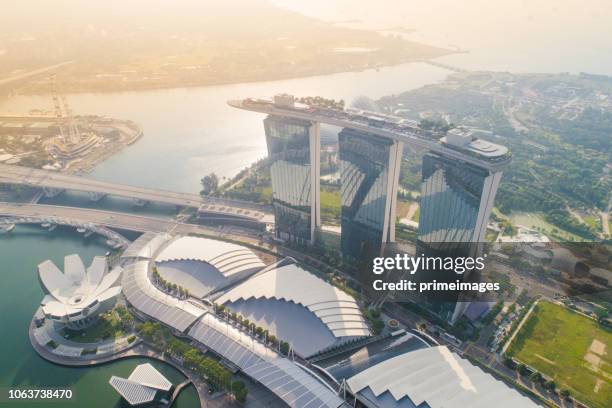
(256,330)
(169,287)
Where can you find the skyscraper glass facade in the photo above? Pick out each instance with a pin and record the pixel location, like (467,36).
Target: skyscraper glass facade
(451,194)
(294,176)
(455,204)
(366,192)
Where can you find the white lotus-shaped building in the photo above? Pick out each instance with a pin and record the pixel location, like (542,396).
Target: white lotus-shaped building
(78,295)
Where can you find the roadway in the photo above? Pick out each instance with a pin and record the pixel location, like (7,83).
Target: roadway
(35,72)
(10,174)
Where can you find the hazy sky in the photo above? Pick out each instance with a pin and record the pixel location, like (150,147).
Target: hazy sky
(541,35)
(515,35)
(469,23)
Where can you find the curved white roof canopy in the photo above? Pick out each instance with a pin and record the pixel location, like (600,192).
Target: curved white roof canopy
(335,308)
(77,290)
(228,259)
(437,377)
(280,375)
(146,245)
(144,296)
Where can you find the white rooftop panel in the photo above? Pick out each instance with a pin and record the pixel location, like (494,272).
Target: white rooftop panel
(96,270)
(74,268)
(293,284)
(210,251)
(146,374)
(131,391)
(439,378)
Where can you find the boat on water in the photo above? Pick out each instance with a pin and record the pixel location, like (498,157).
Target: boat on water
(88,233)
(45,224)
(81,230)
(52,227)
(7,228)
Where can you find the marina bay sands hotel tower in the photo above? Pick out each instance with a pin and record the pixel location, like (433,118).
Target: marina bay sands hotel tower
(460,176)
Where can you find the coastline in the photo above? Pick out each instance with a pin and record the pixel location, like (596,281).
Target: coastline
(149,86)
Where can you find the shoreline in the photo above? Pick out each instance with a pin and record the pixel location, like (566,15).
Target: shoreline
(158,87)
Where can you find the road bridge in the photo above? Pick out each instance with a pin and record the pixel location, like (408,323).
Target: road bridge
(53,183)
(124,221)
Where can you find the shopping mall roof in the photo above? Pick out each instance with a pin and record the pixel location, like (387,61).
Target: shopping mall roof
(282,376)
(142,385)
(144,296)
(146,245)
(435,377)
(336,310)
(229,259)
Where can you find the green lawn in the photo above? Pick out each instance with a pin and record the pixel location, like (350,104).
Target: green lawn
(593,221)
(535,220)
(572,349)
(330,204)
(108,326)
(415,216)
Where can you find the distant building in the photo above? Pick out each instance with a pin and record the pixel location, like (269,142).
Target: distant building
(144,387)
(369,175)
(294,154)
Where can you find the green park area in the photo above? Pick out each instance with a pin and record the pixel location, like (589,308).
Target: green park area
(112,324)
(572,349)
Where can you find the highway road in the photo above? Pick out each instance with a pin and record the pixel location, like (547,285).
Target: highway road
(10,174)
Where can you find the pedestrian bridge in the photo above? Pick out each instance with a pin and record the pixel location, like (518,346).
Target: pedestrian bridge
(113,238)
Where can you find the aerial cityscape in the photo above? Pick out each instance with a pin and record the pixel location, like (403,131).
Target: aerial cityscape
(272,203)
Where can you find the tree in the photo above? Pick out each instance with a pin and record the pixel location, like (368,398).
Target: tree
(550,385)
(536,377)
(240,391)
(509,362)
(210,184)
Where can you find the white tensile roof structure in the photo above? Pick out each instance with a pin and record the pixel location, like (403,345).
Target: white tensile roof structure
(228,259)
(146,245)
(282,376)
(202,265)
(290,296)
(78,292)
(434,376)
(142,385)
(144,296)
